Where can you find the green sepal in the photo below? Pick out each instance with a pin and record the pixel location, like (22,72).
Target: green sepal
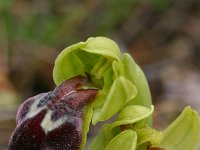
(134,73)
(125,140)
(102,46)
(132,114)
(68,64)
(87,116)
(184,132)
(148,135)
(127,116)
(121,91)
(102,138)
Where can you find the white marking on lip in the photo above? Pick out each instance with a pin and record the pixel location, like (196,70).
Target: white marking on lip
(48,125)
(34,109)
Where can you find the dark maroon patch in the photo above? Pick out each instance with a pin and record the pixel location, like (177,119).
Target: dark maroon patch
(67,137)
(28,135)
(66,103)
(70,85)
(24,108)
(48,97)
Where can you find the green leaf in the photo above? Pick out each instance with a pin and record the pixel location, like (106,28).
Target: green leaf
(125,140)
(131,114)
(183,133)
(119,94)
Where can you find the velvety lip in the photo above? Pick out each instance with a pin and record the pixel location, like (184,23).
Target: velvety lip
(53,120)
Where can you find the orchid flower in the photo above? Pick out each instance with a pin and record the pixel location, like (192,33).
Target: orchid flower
(96,82)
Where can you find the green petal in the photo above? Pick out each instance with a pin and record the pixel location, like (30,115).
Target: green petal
(117,69)
(131,114)
(126,140)
(119,94)
(133,73)
(183,133)
(136,75)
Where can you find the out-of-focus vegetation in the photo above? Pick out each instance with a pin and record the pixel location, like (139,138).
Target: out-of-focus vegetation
(162,35)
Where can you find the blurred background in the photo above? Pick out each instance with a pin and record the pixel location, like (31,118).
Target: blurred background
(163,36)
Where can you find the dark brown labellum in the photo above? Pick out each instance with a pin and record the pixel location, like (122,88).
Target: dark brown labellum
(53,120)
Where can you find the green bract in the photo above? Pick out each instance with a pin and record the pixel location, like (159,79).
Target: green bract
(123,92)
